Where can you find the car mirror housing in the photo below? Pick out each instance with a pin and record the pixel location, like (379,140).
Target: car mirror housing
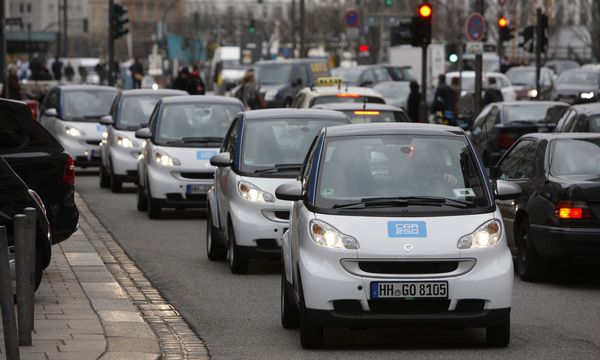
(221,160)
(507,190)
(291,191)
(106,120)
(143,133)
(51,112)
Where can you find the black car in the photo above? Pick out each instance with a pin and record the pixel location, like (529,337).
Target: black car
(558,213)
(281,80)
(578,86)
(43,165)
(14,198)
(580,118)
(363,75)
(367,112)
(499,125)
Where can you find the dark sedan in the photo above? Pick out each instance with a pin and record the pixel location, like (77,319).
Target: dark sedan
(558,213)
(499,125)
(578,86)
(367,113)
(580,118)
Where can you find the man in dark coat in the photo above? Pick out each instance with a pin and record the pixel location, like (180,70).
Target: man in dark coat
(414,102)
(57,66)
(14,89)
(492,94)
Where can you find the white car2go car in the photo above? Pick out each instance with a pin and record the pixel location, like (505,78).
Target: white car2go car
(262,150)
(395,225)
(184,132)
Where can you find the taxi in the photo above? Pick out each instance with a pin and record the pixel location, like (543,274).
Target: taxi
(395,225)
(329,90)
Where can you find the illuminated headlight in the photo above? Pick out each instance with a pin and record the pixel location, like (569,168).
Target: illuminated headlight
(74,132)
(532,93)
(154,86)
(587,95)
(252,193)
(165,160)
(327,236)
(270,95)
(104,135)
(486,235)
(125,142)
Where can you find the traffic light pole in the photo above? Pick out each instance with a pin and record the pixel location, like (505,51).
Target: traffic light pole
(302,30)
(424,109)
(111,43)
(65,28)
(538,48)
(3,74)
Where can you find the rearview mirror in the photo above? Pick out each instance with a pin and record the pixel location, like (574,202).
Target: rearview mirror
(221,160)
(106,120)
(507,190)
(291,191)
(51,112)
(143,133)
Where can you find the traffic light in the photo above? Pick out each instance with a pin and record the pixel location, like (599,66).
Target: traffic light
(452,51)
(119,20)
(389,3)
(252,27)
(504,30)
(544,32)
(527,34)
(421,25)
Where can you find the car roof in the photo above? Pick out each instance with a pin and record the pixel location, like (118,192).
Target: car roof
(357,106)
(290,61)
(582,69)
(16,105)
(203,99)
(267,114)
(84,87)
(588,109)
(393,128)
(334,90)
(561,135)
(528,68)
(135,92)
(529,102)
(471,73)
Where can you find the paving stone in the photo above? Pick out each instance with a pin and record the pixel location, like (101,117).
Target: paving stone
(83,259)
(129,356)
(119,316)
(126,344)
(112,304)
(130,329)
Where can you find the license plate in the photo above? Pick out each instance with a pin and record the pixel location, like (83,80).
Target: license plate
(95,152)
(428,289)
(197,188)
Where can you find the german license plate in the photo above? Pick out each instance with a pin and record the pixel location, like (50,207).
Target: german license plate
(426,289)
(197,188)
(95,153)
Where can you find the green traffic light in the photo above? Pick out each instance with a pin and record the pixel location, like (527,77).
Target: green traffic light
(252,30)
(389,3)
(453,58)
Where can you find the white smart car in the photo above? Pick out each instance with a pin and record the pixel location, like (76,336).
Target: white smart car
(120,150)
(395,225)
(184,132)
(262,150)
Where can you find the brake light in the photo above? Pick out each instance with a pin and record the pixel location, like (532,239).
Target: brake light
(348,95)
(366,112)
(69,173)
(573,210)
(505,140)
(570,213)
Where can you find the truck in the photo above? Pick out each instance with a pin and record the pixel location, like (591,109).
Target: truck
(412,56)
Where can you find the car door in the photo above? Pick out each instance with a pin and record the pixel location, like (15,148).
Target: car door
(566,121)
(52,101)
(518,166)
(225,177)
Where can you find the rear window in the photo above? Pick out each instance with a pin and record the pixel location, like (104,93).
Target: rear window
(576,157)
(595,123)
(18,133)
(335,99)
(534,113)
(374,116)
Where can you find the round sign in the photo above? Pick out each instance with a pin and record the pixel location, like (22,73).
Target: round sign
(475,27)
(352,18)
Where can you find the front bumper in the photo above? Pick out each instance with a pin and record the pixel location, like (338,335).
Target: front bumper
(85,151)
(169,189)
(124,162)
(258,230)
(553,242)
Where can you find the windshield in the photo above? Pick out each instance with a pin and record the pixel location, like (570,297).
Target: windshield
(351,76)
(576,157)
(274,74)
(135,111)
(521,76)
(595,123)
(335,99)
(374,116)
(591,78)
(192,123)
(391,166)
(268,143)
(393,91)
(87,105)
(534,113)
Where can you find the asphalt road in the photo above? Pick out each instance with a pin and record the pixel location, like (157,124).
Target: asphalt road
(238,316)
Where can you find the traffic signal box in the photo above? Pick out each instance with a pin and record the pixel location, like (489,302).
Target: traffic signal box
(421,25)
(119,20)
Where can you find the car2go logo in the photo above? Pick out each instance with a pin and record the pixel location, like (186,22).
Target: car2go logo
(407,229)
(205,155)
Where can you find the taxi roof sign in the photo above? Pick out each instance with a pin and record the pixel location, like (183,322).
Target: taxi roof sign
(329,81)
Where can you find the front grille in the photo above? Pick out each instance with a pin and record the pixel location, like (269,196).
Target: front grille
(198,175)
(283,215)
(267,244)
(408,267)
(401,306)
(93,142)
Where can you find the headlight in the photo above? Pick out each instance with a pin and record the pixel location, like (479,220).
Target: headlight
(327,236)
(270,95)
(165,160)
(125,142)
(74,132)
(587,95)
(532,93)
(104,135)
(252,193)
(486,235)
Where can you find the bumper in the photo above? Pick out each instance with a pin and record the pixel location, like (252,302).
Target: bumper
(124,162)
(169,191)
(256,232)
(86,152)
(552,242)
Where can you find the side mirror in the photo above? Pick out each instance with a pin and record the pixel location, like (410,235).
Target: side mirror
(297,82)
(106,120)
(143,133)
(51,112)
(507,190)
(291,191)
(221,160)
(366,83)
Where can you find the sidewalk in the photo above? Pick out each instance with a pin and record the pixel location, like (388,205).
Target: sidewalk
(94,303)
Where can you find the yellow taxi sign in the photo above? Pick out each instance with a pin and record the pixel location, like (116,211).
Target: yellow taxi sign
(329,81)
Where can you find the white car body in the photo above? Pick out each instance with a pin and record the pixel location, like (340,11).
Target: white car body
(307,96)
(508,90)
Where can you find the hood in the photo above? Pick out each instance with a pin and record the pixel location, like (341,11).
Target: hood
(387,237)
(586,186)
(192,159)
(571,89)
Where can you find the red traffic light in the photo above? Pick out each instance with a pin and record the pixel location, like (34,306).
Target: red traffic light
(425,11)
(503,22)
(363,48)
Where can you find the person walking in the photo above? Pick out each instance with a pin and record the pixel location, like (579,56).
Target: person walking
(197,86)
(492,94)
(69,72)
(414,102)
(57,66)
(182,81)
(249,92)
(14,89)
(137,73)
(443,101)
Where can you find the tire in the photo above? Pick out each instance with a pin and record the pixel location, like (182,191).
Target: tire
(498,336)
(290,318)
(530,265)
(214,250)
(141,202)
(154,209)
(238,263)
(104,178)
(311,337)
(116,185)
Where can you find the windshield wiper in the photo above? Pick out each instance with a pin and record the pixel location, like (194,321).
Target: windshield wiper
(203,139)
(279,168)
(403,201)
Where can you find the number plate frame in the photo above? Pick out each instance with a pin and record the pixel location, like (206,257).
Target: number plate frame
(195,189)
(407,292)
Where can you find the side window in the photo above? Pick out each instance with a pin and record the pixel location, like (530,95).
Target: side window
(478,123)
(368,77)
(153,120)
(381,75)
(581,124)
(303,75)
(570,122)
(232,139)
(299,101)
(514,166)
(308,163)
(491,118)
(113,107)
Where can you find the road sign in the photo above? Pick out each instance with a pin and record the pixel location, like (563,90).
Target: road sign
(352,33)
(351,19)
(475,27)
(15,21)
(388,20)
(474,47)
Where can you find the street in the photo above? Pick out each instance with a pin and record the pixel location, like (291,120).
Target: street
(238,315)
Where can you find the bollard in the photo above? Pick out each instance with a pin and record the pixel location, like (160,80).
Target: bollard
(31,214)
(9,323)
(23,269)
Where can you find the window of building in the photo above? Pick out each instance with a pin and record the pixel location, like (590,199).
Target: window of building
(22,8)
(29,8)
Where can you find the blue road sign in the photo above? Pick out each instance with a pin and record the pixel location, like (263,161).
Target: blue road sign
(475,27)
(352,18)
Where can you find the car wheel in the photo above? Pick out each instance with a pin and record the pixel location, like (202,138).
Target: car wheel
(530,265)
(116,186)
(214,250)
(104,178)
(289,311)
(154,210)
(311,336)
(498,336)
(237,262)
(142,203)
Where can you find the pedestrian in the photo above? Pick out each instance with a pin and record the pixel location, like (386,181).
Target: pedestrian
(100,69)
(197,86)
(455,86)
(443,100)
(491,93)
(35,67)
(69,72)
(45,73)
(137,73)
(249,92)
(57,66)
(14,89)
(414,102)
(182,81)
